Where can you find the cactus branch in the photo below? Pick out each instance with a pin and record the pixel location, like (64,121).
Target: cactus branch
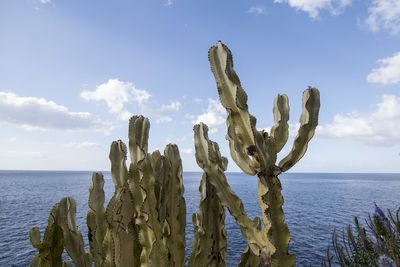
(209,159)
(308,123)
(234,99)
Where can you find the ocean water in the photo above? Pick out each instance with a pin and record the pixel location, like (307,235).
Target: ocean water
(315,204)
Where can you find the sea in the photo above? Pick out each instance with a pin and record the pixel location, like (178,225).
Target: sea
(315,205)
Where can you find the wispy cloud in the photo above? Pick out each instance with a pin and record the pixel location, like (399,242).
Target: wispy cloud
(44,1)
(255,10)
(186,151)
(162,114)
(379,128)
(388,72)
(39,113)
(313,7)
(81,145)
(214,116)
(384,14)
(168,3)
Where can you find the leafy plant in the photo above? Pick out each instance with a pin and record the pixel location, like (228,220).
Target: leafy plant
(379,246)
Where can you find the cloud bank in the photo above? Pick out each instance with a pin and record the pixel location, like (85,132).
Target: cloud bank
(39,113)
(379,128)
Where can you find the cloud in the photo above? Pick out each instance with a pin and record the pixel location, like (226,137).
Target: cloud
(116,94)
(186,151)
(168,3)
(80,145)
(44,1)
(313,7)
(33,154)
(39,113)
(255,10)
(215,115)
(388,72)
(384,14)
(379,128)
(162,114)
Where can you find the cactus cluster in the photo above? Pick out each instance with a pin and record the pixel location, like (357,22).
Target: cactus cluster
(144,222)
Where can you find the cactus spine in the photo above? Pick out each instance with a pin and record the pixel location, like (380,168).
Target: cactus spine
(255,152)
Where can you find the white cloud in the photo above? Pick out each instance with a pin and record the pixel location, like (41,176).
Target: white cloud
(379,128)
(168,3)
(33,154)
(255,10)
(44,1)
(186,151)
(388,72)
(384,14)
(175,140)
(198,100)
(39,113)
(162,114)
(84,144)
(12,139)
(116,94)
(215,115)
(313,7)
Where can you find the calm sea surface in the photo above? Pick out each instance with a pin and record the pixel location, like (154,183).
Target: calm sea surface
(315,204)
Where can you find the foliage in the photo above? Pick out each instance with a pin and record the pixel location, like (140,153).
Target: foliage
(379,245)
(144,222)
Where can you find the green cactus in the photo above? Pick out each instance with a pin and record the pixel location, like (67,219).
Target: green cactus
(144,221)
(248,258)
(256,153)
(51,247)
(209,159)
(210,242)
(97,225)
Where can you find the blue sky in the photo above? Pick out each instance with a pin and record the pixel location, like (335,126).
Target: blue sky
(72,72)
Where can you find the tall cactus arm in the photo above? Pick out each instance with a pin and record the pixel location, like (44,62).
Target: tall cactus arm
(138,135)
(51,247)
(209,159)
(150,235)
(248,258)
(96,221)
(234,100)
(280,131)
(119,173)
(73,241)
(210,243)
(271,201)
(176,207)
(119,214)
(308,123)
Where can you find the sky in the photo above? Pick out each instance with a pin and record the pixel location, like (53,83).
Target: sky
(73,72)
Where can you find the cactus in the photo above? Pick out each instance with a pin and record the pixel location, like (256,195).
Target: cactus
(144,221)
(210,243)
(51,247)
(255,152)
(209,159)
